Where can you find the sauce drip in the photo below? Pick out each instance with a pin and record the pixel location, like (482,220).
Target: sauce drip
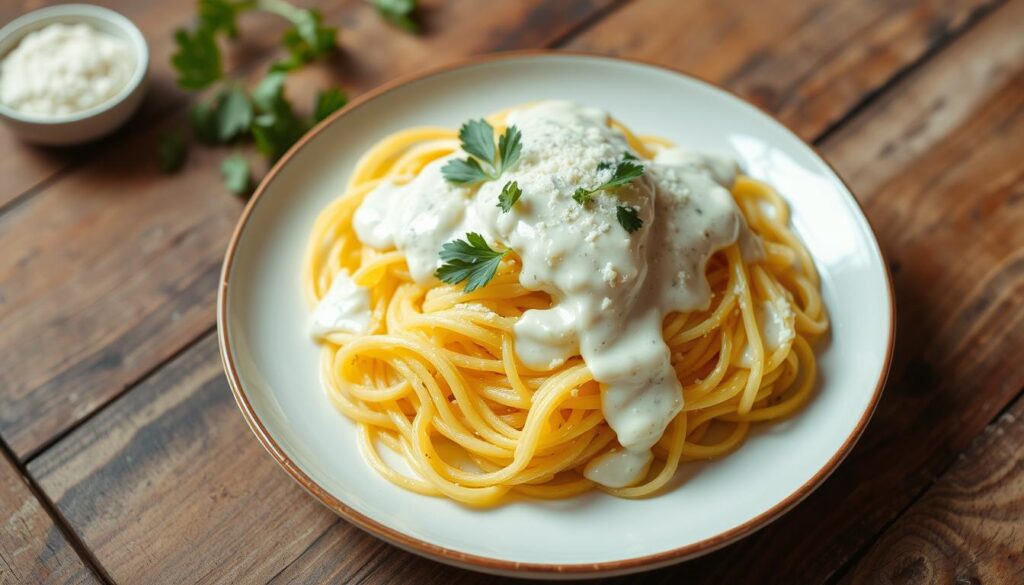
(611,289)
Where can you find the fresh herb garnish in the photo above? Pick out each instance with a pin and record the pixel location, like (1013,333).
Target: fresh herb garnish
(221,15)
(510,145)
(510,193)
(628,218)
(172,152)
(236,173)
(308,40)
(328,101)
(626,171)
(277,127)
(470,260)
(197,60)
(398,12)
(232,112)
(484,164)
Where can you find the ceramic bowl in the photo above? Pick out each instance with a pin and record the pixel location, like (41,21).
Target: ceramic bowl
(94,122)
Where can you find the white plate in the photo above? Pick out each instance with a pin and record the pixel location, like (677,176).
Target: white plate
(272,363)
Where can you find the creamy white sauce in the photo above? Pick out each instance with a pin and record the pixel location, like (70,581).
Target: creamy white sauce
(619,468)
(775,319)
(611,289)
(344,309)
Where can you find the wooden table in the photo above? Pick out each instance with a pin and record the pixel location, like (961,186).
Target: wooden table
(126,460)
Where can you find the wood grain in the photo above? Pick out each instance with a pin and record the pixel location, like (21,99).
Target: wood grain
(967,527)
(169,485)
(113,265)
(808,62)
(32,549)
(947,203)
(936,161)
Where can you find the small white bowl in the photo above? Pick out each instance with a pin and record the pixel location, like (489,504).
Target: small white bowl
(94,122)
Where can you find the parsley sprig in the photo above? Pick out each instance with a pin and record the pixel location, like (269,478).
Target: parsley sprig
(510,193)
(470,260)
(626,171)
(484,163)
(232,112)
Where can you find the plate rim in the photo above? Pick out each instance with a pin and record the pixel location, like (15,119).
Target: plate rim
(502,566)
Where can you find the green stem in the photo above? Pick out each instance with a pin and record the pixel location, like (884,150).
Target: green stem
(280,8)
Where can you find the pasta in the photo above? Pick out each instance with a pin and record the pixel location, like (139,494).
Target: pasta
(437,380)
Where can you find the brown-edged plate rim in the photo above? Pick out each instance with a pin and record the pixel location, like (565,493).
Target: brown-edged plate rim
(501,566)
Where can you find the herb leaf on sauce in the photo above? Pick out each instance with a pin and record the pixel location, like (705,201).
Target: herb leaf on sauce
(626,171)
(510,193)
(470,260)
(464,172)
(509,147)
(484,163)
(628,218)
(477,139)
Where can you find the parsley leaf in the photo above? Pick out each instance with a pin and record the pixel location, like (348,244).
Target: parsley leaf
(583,196)
(470,260)
(234,114)
(197,60)
(509,147)
(464,172)
(628,218)
(203,118)
(309,39)
(276,132)
(328,101)
(626,171)
(221,15)
(398,13)
(510,193)
(172,152)
(269,93)
(236,173)
(277,127)
(477,138)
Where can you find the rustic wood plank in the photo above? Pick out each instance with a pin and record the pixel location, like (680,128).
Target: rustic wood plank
(131,256)
(967,527)
(936,163)
(945,183)
(170,487)
(808,62)
(32,549)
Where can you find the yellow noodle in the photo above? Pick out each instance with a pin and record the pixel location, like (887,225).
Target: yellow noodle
(436,379)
